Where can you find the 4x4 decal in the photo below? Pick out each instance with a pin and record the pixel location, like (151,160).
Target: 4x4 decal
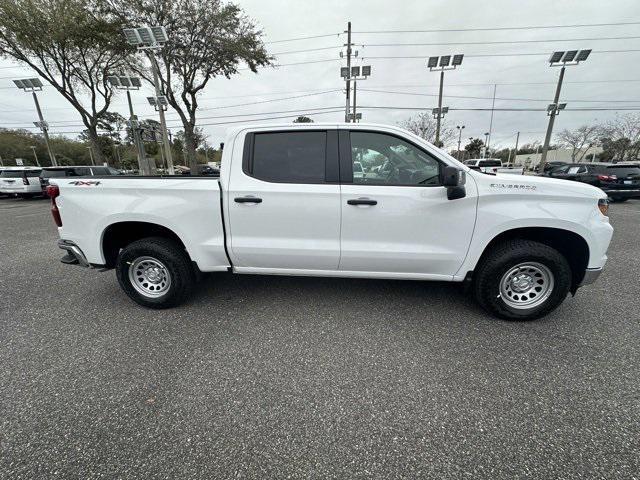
(84,183)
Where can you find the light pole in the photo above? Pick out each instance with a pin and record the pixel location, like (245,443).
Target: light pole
(35,155)
(559,59)
(355,74)
(484,149)
(91,155)
(346,77)
(440,64)
(150,40)
(127,83)
(34,85)
(460,128)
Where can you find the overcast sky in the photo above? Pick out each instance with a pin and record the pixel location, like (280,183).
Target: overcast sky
(517,77)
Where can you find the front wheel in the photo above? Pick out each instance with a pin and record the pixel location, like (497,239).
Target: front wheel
(522,280)
(155,272)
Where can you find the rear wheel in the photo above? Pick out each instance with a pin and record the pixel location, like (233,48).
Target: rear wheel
(522,280)
(155,272)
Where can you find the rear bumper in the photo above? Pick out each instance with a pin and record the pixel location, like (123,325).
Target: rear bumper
(590,276)
(74,254)
(622,193)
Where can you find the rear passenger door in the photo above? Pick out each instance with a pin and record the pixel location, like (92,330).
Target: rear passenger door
(284,201)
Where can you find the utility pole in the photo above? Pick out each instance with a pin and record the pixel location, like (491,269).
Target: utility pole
(45,130)
(570,57)
(515,151)
(485,150)
(348,78)
(1,162)
(91,155)
(163,123)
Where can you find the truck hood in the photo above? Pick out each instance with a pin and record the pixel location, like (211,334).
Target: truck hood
(532,184)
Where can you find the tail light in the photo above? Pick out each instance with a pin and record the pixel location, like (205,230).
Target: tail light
(607,178)
(53,192)
(603,205)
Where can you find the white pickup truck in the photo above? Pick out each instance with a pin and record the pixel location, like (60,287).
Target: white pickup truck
(287,202)
(493,165)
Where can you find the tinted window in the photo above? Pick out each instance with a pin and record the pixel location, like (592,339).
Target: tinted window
(292,157)
(389,160)
(53,173)
(12,174)
(624,170)
(79,172)
(100,170)
(33,173)
(490,163)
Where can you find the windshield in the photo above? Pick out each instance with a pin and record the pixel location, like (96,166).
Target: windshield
(490,163)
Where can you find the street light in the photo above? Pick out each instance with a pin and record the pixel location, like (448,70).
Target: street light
(125,82)
(355,74)
(150,40)
(34,85)
(35,155)
(440,64)
(460,128)
(560,59)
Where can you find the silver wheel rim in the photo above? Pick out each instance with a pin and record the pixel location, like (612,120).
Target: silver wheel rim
(526,285)
(149,277)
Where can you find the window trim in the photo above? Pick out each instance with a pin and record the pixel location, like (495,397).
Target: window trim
(346,161)
(331,156)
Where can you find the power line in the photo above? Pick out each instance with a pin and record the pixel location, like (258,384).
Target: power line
(500,42)
(481,55)
(307,50)
(303,38)
(488,29)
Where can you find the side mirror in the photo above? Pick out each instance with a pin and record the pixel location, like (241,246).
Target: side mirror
(454,179)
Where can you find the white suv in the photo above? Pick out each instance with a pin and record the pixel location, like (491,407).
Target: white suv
(21,181)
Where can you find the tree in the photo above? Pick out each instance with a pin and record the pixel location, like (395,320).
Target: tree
(208,38)
(579,140)
(303,119)
(621,138)
(474,147)
(71,48)
(424,126)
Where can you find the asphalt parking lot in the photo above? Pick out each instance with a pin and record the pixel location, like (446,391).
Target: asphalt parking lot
(275,377)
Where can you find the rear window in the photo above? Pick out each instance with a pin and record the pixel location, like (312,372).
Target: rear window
(291,157)
(490,163)
(20,173)
(100,170)
(624,170)
(53,173)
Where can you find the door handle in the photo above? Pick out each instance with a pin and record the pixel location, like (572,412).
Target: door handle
(362,201)
(247,200)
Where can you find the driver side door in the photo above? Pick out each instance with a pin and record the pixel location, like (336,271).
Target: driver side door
(396,218)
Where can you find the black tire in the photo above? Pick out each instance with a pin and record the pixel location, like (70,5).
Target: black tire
(502,259)
(172,260)
(619,199)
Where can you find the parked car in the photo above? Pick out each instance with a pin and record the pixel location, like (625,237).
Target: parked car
(20,181)
(619,182)
(548,166)
(290,204)
(493,165)
(73,171)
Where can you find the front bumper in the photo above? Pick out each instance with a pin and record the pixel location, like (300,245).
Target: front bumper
(590,276)
(622,193)
(74,255)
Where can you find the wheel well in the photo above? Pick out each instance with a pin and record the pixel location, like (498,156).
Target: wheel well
(119,235)
(571,245)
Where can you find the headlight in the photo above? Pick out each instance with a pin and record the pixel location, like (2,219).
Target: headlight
(603,205)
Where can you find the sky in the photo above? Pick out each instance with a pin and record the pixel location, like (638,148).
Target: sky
(517,67)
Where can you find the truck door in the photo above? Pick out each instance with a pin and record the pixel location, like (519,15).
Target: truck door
(398,219)
(284,201)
